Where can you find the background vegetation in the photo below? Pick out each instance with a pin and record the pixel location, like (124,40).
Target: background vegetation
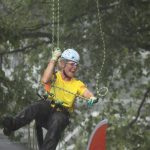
(25,48)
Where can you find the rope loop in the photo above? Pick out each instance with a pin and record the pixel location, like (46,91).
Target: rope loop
(103,91)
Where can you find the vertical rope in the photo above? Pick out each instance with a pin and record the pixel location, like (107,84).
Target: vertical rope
(102,37)
(58,9)
(53,23)
(99,75)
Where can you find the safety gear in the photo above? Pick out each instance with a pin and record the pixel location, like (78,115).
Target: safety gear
(73,64)
(92,100)
(56,54)
(71,54)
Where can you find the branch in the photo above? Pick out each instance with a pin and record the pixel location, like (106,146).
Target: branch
(36,27)
(24,49)
(139,109)
(35,35)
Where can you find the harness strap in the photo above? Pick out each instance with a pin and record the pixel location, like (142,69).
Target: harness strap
(59,107)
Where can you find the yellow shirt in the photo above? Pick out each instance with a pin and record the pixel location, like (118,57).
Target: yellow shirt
(66,91)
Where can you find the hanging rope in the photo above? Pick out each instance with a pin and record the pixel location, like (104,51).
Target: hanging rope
(58,23)
(53,24)
(102,91)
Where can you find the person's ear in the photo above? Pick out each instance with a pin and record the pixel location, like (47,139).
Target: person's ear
(61,64)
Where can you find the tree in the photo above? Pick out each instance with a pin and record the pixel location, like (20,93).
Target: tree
(26,34)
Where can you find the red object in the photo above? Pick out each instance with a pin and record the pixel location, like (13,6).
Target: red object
(47,87)
(98,137)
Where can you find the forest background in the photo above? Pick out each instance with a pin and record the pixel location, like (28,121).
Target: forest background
(26,36)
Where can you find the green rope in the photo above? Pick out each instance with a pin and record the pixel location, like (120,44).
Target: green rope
(53,23)
(99,75)
(58,9)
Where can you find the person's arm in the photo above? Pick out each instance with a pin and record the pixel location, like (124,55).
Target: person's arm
(87,94)
(48,73)
(90,97)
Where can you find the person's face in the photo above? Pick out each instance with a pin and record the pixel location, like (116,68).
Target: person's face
(70,68)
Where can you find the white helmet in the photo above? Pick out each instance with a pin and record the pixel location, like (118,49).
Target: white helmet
(71,54)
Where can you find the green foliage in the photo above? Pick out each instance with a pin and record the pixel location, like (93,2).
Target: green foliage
(25,48)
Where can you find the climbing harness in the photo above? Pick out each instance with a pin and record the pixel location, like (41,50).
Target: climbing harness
(102,91)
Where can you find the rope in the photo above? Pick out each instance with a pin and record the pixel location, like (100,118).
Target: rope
(67,92)
(53,23)
(103,91)
(58,9)
(99,75)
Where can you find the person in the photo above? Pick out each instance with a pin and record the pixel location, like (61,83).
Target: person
(54,112)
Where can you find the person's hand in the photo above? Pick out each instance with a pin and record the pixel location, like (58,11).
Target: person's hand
(92,100)
(56,54)
(57,102)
